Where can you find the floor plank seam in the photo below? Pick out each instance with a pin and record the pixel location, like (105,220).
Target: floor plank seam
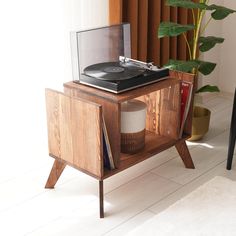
(164,177)
(148,171)
(184,185)
(22,202)
(130,218)
(26,172)
(44,191)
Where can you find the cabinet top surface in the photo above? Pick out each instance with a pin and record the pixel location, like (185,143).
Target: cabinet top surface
(125,95)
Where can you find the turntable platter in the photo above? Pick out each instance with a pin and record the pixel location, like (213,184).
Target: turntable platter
(113,71)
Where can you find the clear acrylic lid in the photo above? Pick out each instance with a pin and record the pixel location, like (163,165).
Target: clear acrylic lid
(99,45)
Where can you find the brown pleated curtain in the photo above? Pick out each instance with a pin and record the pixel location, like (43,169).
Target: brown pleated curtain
(145,17)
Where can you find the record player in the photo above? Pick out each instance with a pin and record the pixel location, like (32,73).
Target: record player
(101,59)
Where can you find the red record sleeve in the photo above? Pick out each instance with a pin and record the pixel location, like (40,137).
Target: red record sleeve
(186,92)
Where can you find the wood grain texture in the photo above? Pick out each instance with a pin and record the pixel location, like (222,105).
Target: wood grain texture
(170,111)
(76,167)
(55,173)
(115,11)
(130,14)
(184,154)
(163,114)
(163,111)
(125,96)
(173,40)
(111,113)
(145,17)
(143,30)
(154,19)
(182,47)
(74,131)
(165,42)
(152,116)
(192,79)
(182,76)
(111,107)
(154,144)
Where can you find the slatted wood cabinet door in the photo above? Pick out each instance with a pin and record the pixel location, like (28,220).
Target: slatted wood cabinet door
(75,132)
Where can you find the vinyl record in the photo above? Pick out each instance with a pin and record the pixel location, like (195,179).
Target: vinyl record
(113,71)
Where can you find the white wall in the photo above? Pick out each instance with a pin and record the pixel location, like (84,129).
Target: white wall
(31,58)
(213,29)
(222,54)
(79,15)
(227,81)
(34,54)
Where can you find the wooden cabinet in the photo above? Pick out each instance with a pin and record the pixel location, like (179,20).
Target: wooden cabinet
(75,121)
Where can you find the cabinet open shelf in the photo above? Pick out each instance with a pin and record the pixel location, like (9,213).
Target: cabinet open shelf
(154,144)
(75,127)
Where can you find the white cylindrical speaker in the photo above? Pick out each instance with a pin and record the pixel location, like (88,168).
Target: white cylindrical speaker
(133,121)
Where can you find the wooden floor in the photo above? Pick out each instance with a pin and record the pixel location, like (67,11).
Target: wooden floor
(131,197)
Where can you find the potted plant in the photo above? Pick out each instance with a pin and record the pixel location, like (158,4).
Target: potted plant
(198,44)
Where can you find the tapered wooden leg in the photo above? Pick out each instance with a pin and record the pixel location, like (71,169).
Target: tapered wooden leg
(55,173)
(101,206)
(184,154)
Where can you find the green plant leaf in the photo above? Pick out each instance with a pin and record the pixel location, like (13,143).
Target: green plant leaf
(186,4)
(172,29)
(206,67)
(206,43)
(185,66)
(208,88)
(220,12)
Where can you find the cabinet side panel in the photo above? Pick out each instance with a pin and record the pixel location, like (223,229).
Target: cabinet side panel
(170,111)
(75,135)
(152,116)
(53,124)
(66,141)
(192,79)
(111,112)
(86,132)
(163,111)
